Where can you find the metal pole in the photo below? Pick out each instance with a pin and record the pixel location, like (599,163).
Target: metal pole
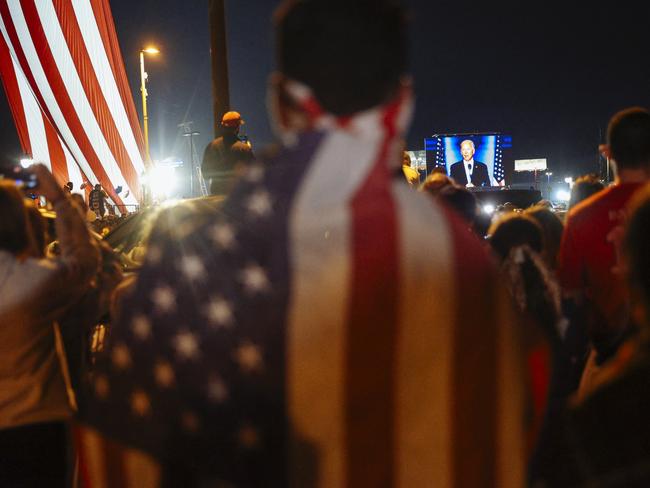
(219,55)
(191,165)
(145,127)
(188,132)
(145,117)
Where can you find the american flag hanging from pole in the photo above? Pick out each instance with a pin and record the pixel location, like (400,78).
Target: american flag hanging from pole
(67,88)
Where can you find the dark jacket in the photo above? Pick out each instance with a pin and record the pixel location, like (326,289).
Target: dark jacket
(219,161)
(480,175)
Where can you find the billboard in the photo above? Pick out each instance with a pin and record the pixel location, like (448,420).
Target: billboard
(530,164)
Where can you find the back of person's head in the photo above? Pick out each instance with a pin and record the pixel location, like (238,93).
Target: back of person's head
(534,289)
(352,54)
(232,119)
(584,187)
(628,138)
(435,182)
(38,229)
(440,170)
(14,225)
(513,230)
(461,200)
(80,201)
(230,124)
(552,228)
(635,247)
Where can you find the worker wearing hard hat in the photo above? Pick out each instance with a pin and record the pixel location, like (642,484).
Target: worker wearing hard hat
(226,156)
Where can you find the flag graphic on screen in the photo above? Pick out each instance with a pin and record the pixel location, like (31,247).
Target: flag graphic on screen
(499,172)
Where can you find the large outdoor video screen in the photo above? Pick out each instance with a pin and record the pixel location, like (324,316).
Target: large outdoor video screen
(473,160)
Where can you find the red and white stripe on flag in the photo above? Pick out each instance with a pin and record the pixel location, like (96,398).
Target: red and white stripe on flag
(67,88)
(104,463)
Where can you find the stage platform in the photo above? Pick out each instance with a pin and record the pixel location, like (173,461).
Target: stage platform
(498,196)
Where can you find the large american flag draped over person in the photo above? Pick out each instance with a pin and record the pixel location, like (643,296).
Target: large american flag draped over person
(66,85)
(327,327)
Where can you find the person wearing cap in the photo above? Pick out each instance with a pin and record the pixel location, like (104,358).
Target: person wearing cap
(225,156)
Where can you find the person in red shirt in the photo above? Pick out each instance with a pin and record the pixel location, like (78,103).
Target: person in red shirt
(589,267)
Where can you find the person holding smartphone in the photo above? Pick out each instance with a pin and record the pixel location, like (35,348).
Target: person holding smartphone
(34,294)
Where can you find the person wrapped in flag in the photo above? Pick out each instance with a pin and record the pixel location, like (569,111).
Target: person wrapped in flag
(316,330)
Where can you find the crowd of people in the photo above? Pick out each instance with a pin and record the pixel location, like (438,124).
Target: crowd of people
(332,322)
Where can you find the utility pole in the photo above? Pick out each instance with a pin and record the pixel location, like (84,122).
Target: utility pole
(219,55)
(188,132)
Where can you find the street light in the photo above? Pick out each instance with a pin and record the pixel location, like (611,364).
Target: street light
(188,132)
(143,89)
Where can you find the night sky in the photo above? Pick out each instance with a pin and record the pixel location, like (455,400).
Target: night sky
(550,77)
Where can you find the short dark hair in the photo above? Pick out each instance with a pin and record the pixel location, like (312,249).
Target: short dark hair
(435,182)
(516,230)
(81,203)
(352,54)
(628,137)
(584,187)
(461,200)
(14,226)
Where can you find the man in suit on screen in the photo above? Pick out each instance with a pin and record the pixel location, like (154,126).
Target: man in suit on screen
(468,172)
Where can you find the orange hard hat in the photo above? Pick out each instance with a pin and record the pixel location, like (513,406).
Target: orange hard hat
(231,119)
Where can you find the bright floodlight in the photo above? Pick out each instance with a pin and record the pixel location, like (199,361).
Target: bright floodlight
(562,196)
(150,50)
(488,209)
(162,180)
(26,163)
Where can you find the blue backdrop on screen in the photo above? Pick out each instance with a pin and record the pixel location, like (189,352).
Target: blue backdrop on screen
(443,150)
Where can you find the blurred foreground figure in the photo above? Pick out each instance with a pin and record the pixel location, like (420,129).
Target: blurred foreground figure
(34,294)
(318,330)
(604,438)
(589,266)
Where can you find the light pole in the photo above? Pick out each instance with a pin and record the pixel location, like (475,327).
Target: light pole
(188,132)
(548,183)
(143,89)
